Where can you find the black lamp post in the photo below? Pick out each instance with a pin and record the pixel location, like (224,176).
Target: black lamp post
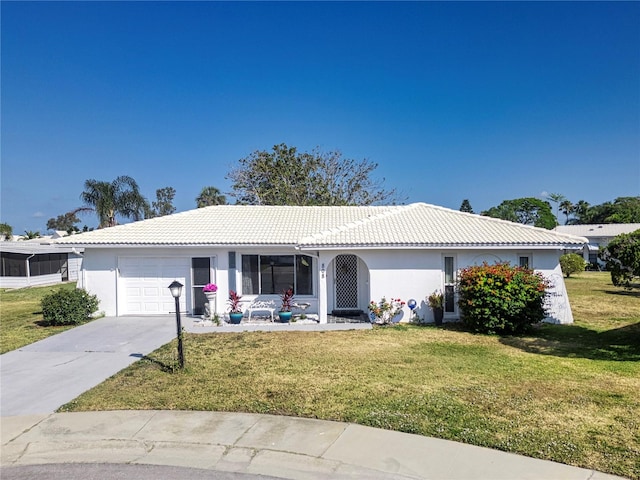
(176,291)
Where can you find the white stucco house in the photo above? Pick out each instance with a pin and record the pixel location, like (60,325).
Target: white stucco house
(337,259)
(597,235)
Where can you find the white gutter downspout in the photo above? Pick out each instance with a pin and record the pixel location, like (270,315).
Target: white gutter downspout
(29,269)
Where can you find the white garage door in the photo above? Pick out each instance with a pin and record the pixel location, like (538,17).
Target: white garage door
(144,282)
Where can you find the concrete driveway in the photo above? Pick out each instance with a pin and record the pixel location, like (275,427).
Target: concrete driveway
(41,377)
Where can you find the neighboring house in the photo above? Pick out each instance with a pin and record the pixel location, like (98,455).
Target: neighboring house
(28,263)
(598,235)
(337,259)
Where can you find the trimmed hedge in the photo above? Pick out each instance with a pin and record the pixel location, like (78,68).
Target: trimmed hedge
(69,307)
(500,298)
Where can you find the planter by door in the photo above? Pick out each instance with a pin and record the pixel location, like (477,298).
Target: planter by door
(211,300)
(438,314)
(284,316)
(235,318)
(211,296)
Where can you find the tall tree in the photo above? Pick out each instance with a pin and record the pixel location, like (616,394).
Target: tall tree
(621,210)
(580,211)
(556,198)
(529,211)
(64,222)
(567,208)
(119,197)
(210,196)
(465,206)
(284,176)
(163,205)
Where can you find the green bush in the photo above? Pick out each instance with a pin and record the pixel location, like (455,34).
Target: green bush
(500,298)
(69,307)
(571,263)
(622,255)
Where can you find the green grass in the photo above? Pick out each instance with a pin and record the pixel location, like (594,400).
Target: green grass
(564,393)
(21,316)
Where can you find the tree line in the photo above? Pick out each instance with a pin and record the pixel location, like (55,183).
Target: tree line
(282,176)
(285,176)
(539,213)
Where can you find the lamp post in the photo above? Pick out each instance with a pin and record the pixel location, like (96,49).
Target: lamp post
(176,291)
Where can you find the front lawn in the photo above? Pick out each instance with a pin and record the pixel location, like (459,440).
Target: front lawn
(21,316)
(565,393)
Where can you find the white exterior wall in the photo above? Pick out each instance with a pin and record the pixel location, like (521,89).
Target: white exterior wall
(401,274)
(407,274)
(100,273)
(34,281)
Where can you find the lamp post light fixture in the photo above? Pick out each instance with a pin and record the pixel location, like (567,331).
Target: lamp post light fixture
(176,291)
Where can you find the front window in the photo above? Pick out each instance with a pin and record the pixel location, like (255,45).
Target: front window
(272,274)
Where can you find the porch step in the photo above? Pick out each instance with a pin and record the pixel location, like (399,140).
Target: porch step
(347,313)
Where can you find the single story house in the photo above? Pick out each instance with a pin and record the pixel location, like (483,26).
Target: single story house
(29,263)
(337,259)
(597,235)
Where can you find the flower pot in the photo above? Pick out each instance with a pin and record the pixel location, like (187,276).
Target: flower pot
(235,318)
(211,296)
(285,317)
(438,314)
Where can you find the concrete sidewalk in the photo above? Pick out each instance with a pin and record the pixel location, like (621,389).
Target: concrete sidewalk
(283,447)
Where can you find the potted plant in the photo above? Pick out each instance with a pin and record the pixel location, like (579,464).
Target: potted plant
(235,312)
(209,291)
(436,302)
(287,302)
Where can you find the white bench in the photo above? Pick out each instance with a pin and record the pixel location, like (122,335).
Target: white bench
(261,306)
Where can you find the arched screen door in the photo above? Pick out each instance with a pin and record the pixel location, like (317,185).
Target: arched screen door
(346,282)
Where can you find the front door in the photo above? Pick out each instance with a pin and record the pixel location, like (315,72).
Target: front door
(346,276)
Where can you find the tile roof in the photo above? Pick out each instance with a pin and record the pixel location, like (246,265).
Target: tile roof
(598,229)
(414,225)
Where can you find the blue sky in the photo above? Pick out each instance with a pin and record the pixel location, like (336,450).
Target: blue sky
(477,100)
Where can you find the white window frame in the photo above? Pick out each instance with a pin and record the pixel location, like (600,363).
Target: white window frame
(451,283)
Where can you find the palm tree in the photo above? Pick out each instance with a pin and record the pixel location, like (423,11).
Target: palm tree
(30,235)
(120,197)
(580,209)
(567,208)
(210,196)
(556,198)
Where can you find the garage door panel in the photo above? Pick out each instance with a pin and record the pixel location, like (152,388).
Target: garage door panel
(145,283)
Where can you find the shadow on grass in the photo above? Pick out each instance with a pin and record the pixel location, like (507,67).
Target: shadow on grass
(164,367)
(573,341)
(625,293)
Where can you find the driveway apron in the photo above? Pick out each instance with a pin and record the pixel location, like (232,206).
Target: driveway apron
(45,375)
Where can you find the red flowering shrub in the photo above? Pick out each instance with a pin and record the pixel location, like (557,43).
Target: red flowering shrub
(500,298)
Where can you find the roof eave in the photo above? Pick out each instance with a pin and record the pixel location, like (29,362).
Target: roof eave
(439,246)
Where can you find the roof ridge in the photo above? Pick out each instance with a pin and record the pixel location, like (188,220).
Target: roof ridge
(387,210)
(502,221)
